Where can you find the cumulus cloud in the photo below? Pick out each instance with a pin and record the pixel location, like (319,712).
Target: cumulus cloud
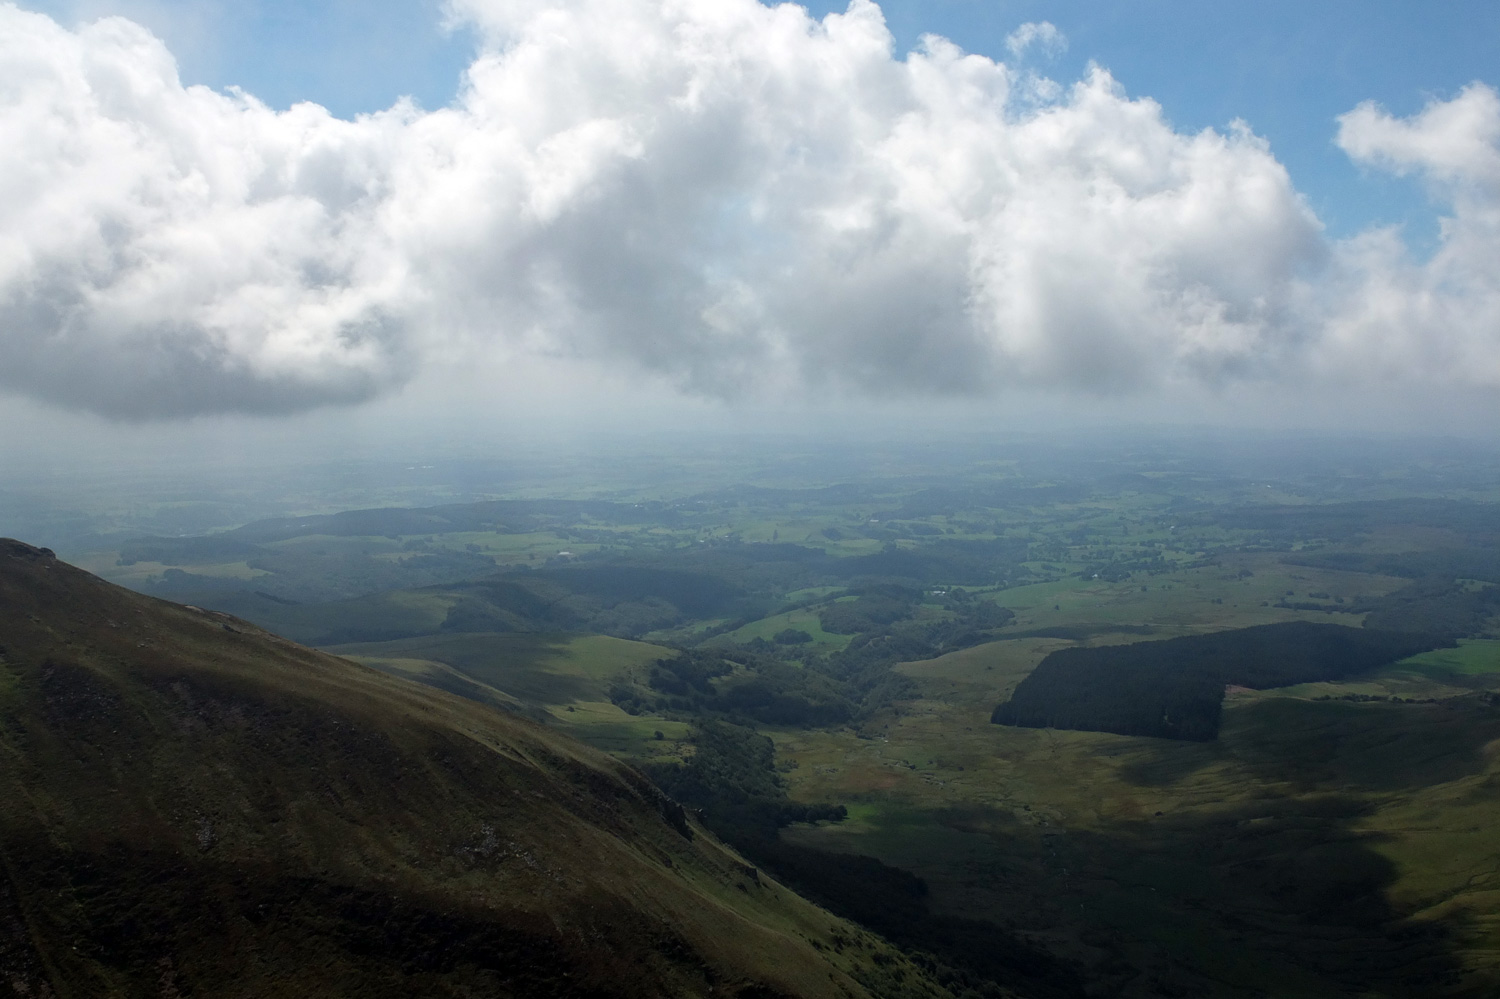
(1041,34)
(738,198)
(169,250)
(1437,320)
(1454,142)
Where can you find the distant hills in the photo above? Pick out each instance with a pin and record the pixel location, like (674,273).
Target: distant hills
(592,567)
(197,807)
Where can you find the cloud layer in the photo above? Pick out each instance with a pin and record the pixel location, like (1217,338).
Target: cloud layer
(737,198)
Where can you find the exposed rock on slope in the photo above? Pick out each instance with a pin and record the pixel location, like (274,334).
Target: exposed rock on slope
(195,807)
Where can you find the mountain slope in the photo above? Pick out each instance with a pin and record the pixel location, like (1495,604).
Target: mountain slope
(196,807)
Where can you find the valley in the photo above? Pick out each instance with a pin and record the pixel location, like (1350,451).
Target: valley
(812,667)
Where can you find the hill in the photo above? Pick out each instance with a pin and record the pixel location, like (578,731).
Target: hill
(197,807)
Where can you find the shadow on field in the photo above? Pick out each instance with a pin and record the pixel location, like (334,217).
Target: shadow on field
(1271,884)
(1369,746)
(1272,897)
(1309,745)
(1282,868)
(1291,878)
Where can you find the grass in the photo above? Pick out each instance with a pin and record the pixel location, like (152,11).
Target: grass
(545,669)
(1306,820)
(144,572)
(1185,598)
(811,593)
(565,676)
(443,677)
(604,726)
(1473,657)
(800,620)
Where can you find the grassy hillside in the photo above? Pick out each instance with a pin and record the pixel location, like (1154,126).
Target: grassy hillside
(195,807)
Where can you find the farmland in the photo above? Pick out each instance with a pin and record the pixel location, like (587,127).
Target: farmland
(1333,838)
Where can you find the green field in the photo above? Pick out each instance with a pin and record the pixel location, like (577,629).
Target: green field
(1227,857)
(1471,658)
(554,669)
(798,620)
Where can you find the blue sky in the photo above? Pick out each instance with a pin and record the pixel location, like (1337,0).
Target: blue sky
(1285,67)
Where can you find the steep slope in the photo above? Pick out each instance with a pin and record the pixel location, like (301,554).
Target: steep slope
(194,807)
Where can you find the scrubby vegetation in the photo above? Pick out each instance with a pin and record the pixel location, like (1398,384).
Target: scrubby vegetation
(731,781)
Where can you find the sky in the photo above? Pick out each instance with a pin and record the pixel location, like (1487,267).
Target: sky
(348,216)
(1288,68)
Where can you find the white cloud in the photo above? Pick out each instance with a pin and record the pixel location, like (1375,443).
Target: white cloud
(737,198)
(1436,321)
(1040,34)
(172,250)
(1455,142)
